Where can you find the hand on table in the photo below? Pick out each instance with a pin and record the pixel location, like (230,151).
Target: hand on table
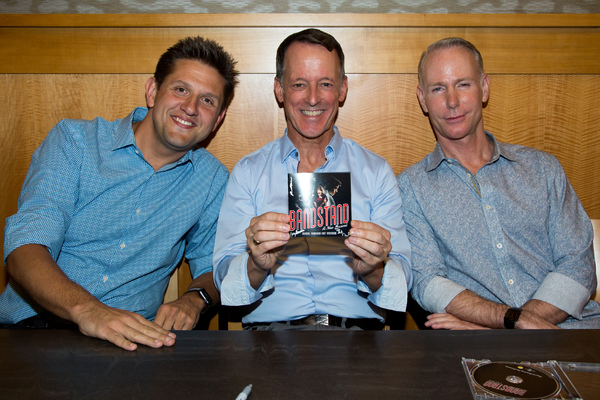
(449,321)
(180,314)
(123,328)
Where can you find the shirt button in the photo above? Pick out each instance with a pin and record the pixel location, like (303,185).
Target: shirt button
(499,245)
(105,278)
(137,152)
(138,211)
(122,245)
(488,207)
(510,281)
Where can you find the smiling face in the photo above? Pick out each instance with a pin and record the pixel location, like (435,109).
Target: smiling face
(311,91)
(185,109)
(452,92)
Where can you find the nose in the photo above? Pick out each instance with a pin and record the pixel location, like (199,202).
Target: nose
(313,95)
(452,100)
(189,106)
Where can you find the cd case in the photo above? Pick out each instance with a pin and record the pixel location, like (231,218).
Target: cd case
(319,204)
(527,380)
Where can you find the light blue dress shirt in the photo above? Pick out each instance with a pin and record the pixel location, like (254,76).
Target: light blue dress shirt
(514,232)
(114,225)
(311,276)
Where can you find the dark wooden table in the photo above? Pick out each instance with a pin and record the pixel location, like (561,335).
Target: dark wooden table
(280,365)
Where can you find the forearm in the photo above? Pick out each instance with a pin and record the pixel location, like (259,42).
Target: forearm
(32,267)
(256,275)
(546,311)
(206,282)
(374,279)
(467,306)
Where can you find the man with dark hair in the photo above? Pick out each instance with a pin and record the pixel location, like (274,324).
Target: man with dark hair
(499,238)
(108,209)
(301,283)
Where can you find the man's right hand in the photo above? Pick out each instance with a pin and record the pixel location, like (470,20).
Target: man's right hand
(122,328)
(266,238)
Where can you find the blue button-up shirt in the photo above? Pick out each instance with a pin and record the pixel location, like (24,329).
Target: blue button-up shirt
(114,225)
(515,231)
(310,277)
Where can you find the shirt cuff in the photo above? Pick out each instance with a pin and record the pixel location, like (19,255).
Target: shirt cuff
(393,291)
(236,289)
(439,293)
(564,293)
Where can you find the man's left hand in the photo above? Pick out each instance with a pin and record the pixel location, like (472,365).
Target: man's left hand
(448,321)
(181,314)
(370,244)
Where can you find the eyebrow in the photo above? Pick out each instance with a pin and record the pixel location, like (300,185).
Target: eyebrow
(187,85)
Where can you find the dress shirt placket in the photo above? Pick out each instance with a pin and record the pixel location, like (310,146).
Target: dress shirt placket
(503,266)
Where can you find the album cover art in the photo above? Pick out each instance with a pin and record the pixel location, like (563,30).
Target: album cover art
(319,204)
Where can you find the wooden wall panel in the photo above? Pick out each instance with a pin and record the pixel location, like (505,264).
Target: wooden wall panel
(368,49)
(545,77)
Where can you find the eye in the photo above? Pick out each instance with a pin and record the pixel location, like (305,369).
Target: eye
(207,100)
(180,90)
(436,89)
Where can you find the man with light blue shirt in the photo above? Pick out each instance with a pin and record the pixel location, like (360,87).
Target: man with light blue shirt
(499,238)
(109,208)
(303,283)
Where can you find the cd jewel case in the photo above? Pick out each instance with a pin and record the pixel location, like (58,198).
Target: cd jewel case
(524,380)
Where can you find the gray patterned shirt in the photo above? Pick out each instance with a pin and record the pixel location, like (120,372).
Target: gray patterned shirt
(515,231)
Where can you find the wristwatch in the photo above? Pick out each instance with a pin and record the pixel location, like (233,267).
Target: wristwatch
(203,295)
(511,317)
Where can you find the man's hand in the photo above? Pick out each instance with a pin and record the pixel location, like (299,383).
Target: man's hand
(370,244)
(448,321)
(181,314)
(121,327)
(266,238)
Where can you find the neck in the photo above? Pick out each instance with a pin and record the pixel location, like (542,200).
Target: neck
(473,152)
(311,151)
(142,132)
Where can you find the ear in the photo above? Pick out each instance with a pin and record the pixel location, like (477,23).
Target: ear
(151,89)
(485,87)
(219,119)
(278,88)
(421,97)
(343,89)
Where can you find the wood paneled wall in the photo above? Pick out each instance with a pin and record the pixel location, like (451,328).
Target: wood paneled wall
(545,81)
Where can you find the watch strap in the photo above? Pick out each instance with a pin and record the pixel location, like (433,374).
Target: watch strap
(203,295)
(511,317)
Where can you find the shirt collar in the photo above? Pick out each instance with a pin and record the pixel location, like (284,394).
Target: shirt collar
(288,149)
(437,155)
(124,136)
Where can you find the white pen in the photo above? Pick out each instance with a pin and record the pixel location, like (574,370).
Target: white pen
(245,393)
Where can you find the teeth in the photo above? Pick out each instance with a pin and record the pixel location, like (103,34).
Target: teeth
(182,121)
(312,113)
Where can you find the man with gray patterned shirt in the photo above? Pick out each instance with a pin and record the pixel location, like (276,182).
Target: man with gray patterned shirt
(499,238)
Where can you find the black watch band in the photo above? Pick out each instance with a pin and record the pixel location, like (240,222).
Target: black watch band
(511,317)
(203,295)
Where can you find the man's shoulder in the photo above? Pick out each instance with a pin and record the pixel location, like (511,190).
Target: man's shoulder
(259,156)
(208,160)
(528,155)
(416,170)
(359,157)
